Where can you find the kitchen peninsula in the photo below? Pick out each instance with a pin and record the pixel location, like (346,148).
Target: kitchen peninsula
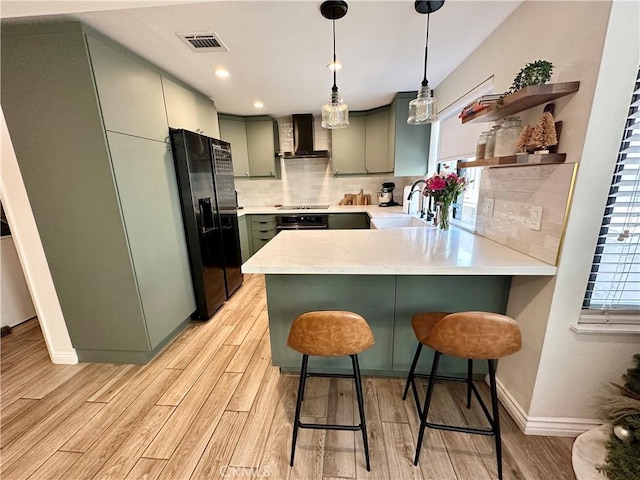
(386,276)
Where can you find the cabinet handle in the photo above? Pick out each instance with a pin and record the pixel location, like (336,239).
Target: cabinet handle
(335,172)
(246,174)
(366,170)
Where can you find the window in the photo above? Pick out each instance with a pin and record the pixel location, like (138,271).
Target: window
(458,142)
(465,207)
(468,200)
(613,291)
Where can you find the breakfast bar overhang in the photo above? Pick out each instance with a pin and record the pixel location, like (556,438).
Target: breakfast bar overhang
(386,276)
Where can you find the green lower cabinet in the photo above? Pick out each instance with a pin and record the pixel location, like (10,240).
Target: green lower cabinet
(290,295)
(150,204)
(263,229)
(442,294)
(245,238)
(387,302)
(348,221)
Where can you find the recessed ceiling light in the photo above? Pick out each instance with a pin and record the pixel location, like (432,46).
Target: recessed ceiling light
(222,73)
(258,104)
(334,66)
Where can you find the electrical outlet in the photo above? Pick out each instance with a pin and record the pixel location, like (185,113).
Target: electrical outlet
(535,218)
(487,208)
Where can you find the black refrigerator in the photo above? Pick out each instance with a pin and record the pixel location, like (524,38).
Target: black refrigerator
(207,195)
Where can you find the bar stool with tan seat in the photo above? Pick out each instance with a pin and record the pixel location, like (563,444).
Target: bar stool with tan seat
(470,335)
(330,334)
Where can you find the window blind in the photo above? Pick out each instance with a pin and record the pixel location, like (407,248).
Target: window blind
(456,140)
(613,290)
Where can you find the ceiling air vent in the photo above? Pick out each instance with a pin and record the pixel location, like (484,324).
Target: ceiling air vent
(203,42)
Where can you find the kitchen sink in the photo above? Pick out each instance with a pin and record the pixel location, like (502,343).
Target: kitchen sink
(399,222)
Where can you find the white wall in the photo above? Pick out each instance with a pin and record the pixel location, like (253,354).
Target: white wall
(15,302)
(31,253)
(553,382)
(576,367)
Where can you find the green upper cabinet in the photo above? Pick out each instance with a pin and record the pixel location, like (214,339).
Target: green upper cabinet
(106,206)
(189,110)
(377,158)
(130,94)
(254,143)
(207,115)
(362,147)
(261,146)
(348,147)
(234,131)
(409,144)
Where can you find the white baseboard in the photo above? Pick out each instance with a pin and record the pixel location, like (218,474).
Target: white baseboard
(513,407)
(559,426)
(546,426)
(64,357)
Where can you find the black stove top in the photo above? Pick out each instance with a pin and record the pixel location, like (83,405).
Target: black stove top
(303,207)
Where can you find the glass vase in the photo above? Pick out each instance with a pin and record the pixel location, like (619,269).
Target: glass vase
(442,215)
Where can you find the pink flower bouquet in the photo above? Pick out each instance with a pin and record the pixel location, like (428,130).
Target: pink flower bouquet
(444,188)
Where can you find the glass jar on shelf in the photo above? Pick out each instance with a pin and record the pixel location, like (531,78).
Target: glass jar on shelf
(491,141)
(481,146)
(507,136)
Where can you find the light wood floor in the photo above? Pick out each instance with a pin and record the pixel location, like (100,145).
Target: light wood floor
(211,406)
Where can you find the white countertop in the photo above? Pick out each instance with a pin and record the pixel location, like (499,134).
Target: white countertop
(394,251)
(374,211)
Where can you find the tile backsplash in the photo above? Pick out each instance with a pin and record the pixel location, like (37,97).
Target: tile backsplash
(311,181)
(524,207)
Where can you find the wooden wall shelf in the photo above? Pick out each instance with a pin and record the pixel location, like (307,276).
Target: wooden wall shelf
(523,99)
(518,160)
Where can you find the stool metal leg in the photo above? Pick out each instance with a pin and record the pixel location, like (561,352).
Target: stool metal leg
(411,377)
(427,403)
(296,421)
(496,415)
(469,381)
(363,424)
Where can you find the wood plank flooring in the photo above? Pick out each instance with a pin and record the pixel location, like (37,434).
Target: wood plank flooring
(211,406)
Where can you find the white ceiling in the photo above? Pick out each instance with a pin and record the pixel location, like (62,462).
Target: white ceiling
(278,50)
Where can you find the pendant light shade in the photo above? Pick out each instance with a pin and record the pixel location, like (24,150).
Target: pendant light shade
(335,114)
(424,108)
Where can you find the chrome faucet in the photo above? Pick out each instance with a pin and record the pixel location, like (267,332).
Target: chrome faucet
(421,200)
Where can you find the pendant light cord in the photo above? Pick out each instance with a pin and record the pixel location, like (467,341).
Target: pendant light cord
(335,87)
(426,55)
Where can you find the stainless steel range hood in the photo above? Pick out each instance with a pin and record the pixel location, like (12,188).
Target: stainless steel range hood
(303,139)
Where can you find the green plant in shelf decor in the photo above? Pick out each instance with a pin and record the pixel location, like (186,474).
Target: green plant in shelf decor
(536,73)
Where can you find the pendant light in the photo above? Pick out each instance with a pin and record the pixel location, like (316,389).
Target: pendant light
(424,108)
(335,114)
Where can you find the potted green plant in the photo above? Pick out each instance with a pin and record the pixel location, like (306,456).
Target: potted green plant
(535,73)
